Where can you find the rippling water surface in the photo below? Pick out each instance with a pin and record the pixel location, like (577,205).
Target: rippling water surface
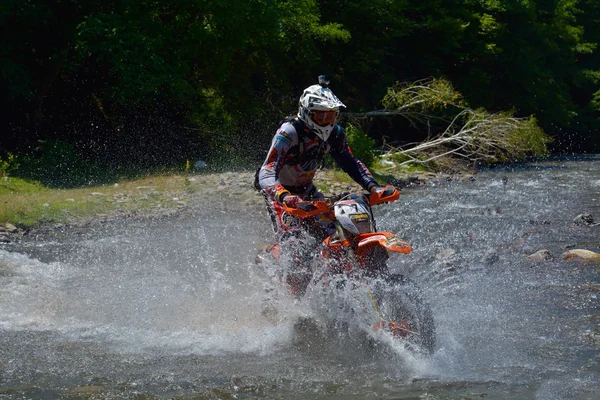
(177,308)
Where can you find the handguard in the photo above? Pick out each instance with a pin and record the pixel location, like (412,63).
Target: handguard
(389,194)
(307,209)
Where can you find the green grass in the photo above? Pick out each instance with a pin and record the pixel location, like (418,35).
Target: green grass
(16,185)
(29,204)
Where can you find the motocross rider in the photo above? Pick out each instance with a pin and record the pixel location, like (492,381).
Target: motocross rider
(286,176)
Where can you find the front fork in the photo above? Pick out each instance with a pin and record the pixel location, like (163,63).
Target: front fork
(349,249)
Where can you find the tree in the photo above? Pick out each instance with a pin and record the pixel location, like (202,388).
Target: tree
(121,73)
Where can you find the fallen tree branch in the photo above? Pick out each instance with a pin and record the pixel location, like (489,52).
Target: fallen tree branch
(476,136)
(472,135)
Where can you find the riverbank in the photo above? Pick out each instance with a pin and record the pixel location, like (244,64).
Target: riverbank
(38,209)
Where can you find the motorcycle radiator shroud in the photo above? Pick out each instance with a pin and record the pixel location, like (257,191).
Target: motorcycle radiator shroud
(356,218)
(354,215)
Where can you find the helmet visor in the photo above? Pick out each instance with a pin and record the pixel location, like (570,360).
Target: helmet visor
(324,118)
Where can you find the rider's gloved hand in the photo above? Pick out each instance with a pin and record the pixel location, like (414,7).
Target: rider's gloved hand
(380,189)
(291,200)
(376,189)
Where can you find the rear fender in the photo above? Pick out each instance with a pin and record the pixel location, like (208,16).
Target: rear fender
(386,239)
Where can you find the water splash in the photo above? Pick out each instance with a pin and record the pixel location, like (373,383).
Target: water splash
(180,303)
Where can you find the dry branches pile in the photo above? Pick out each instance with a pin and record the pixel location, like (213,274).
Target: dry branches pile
(478,136)
(471,135)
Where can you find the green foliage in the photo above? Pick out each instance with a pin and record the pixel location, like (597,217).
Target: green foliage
(363,146)
(528,140)
(184,47)
(8,164)
(504,138)
(595,103)
(203,76)
(532,53)
(430,95)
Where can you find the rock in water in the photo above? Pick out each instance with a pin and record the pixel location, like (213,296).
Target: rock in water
(584,219)
(11,228)
(581,255)
(540,255)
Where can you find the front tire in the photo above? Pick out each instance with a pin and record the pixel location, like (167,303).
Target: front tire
(404,313)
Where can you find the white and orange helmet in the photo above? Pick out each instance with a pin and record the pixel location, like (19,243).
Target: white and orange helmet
(319,108)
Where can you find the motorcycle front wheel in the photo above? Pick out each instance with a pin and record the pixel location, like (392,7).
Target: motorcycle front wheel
(403,312)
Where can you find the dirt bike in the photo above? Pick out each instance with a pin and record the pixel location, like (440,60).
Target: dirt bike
(353,260)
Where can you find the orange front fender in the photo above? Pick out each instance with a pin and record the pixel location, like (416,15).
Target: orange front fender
(385,239)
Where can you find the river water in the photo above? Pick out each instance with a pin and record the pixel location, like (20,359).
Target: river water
(176,308)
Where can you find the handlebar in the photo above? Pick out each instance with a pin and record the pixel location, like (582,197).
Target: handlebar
(307,209)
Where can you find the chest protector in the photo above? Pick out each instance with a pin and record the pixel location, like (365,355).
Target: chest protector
(301,156)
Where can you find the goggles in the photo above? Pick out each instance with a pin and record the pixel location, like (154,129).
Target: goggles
(324,118)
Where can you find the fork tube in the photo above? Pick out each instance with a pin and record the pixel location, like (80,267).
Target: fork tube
(349,249)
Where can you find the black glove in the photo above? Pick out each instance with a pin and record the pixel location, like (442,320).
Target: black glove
(291,200)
